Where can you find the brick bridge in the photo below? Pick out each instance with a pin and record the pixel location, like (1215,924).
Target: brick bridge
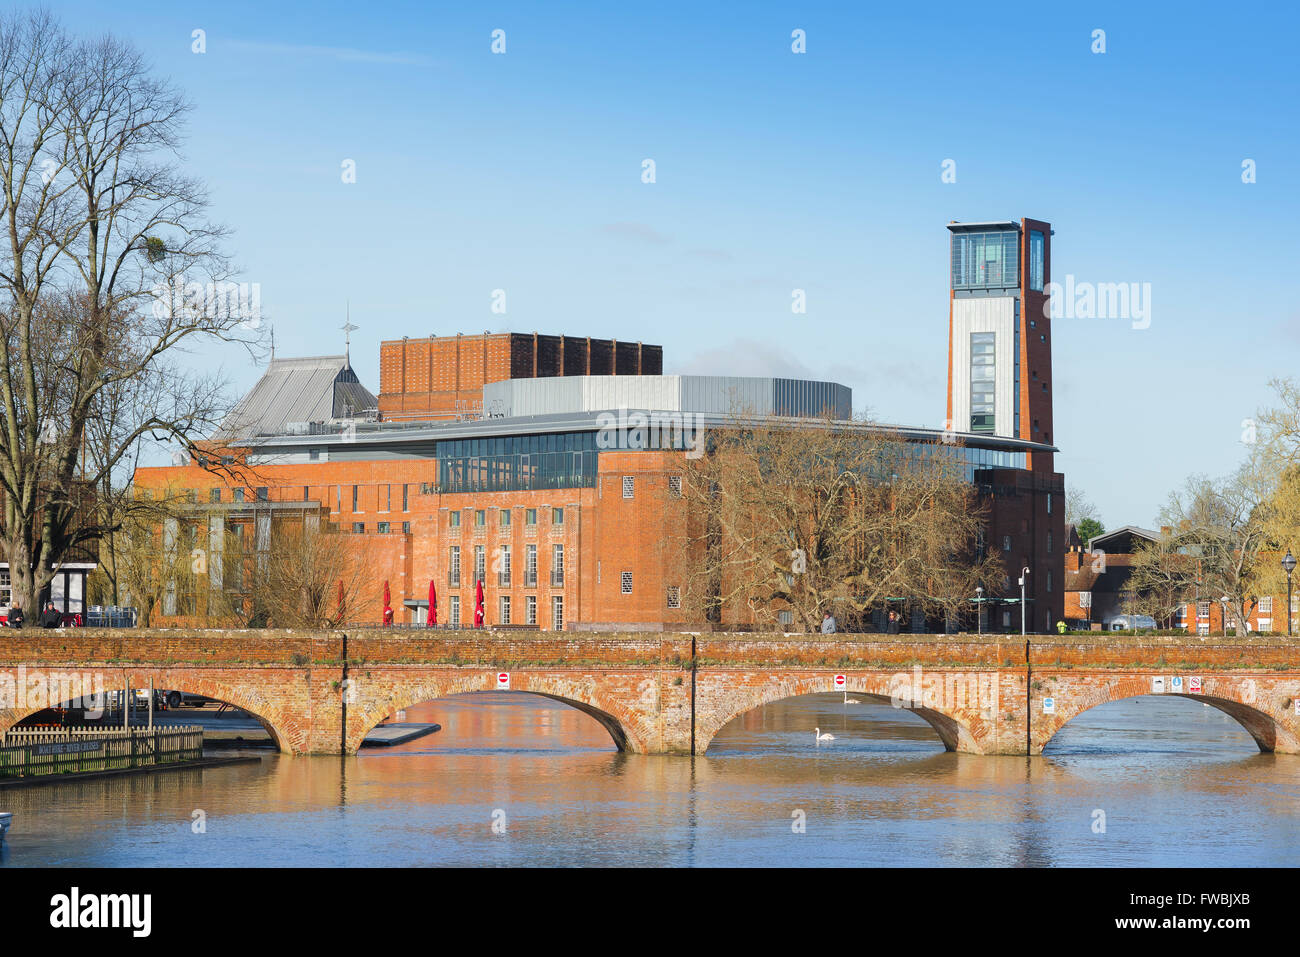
(321,693)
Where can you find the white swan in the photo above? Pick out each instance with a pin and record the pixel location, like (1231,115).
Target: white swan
(823,737)
(848,700)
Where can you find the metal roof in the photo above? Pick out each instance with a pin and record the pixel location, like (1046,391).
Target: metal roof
(370,434)
(995,224)
(311,389)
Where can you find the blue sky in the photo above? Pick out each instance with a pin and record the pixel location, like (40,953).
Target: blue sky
(774,171)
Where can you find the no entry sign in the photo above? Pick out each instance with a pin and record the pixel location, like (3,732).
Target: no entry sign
(503,681)
(841,681)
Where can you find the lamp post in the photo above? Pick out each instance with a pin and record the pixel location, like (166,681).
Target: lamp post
(979,607)
(1288,564)
(1024,573)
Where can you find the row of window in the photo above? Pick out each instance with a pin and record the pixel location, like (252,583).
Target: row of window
(505,608)
(503,565)
(504,517)
(1265,607)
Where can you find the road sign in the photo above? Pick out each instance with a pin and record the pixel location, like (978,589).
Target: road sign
(1157,685)
(1049,706)
(503,681)
(1176,683)
(841,681)
(1194,685)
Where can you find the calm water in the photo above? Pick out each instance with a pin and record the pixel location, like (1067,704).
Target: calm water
(1180,784)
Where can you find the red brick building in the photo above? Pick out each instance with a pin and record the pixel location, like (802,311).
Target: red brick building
(542,466)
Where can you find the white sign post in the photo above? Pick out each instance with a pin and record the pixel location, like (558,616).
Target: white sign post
(1157,685)
(1049,706)
(1176,684)
(841,682)
(503,681)
(1194,684)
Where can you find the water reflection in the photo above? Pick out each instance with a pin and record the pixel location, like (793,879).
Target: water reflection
(1178,784)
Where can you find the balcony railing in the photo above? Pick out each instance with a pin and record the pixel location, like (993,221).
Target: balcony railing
(530,579)
(503,579)
(557,579)
(453,579)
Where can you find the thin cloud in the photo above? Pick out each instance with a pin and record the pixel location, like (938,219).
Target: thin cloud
(638,231)
(711,255)
(343,54)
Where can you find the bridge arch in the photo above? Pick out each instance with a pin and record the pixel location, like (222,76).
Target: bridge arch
(961,725)
(582,695)
(285,730)
(1263,707)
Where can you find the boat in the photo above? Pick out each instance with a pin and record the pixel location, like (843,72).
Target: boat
(5,818)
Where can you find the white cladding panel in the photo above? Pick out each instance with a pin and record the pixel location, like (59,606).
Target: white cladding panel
(720,395)
(994,314)
(600,392)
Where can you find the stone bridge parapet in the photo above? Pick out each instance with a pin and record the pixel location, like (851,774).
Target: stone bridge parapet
(665,693)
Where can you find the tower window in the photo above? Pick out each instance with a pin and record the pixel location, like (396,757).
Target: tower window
(982,346)
(1036,247)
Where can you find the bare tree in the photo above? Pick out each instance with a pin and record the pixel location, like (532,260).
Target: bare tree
(1163,578)
(1082,514)
(106,266)
(826,516)
(154,561)
(1220,524)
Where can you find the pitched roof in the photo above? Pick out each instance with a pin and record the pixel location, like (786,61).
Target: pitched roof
(1122,537)
(312,389)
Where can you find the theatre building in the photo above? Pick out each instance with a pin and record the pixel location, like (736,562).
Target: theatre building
(545,467)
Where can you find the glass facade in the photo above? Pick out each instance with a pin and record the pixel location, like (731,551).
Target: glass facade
(518,463)
(987,260)
(982,346)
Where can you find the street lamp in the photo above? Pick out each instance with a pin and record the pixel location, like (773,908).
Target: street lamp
(1024,573)
(979,606)
(1288,564)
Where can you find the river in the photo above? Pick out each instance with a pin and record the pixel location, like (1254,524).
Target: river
(513,779)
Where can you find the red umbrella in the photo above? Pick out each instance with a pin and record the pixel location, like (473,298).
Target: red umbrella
(478,604)
(388,611)
(433,605)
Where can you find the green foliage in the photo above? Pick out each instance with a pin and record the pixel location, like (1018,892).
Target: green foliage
(1089,528)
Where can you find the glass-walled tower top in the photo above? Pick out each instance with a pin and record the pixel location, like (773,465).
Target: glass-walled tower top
(985,256)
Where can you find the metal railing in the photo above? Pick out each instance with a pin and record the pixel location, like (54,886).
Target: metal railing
(557,579)
(110,617)
(28,752)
